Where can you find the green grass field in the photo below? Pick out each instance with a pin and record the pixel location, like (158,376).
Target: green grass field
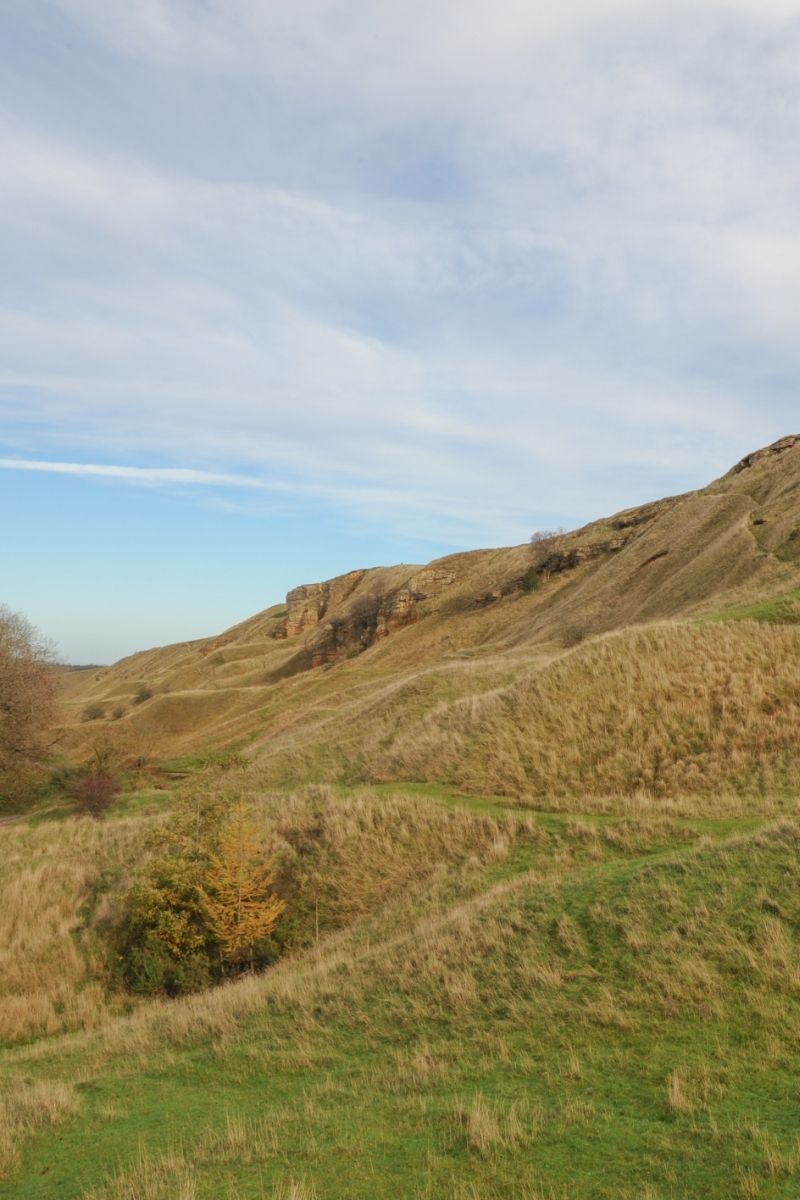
(608,1008)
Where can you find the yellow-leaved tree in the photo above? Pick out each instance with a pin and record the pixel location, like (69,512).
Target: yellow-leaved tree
(241,904)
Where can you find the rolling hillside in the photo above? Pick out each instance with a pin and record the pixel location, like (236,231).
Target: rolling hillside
(537,836)
(352,678)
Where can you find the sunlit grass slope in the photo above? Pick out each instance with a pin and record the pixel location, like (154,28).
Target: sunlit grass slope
(293,693)
(616,1017)
(707,710)
(563,963)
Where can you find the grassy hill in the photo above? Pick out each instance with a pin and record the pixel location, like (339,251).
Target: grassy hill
(463,625)
(538,837)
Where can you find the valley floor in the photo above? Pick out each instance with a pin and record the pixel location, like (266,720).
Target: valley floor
(591,1005)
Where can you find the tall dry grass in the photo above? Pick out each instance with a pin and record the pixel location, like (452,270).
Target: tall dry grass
(340,858)
(49,975)
(669,711)
(707,945)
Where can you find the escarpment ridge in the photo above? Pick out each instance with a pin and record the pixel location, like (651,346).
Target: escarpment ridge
(459,625)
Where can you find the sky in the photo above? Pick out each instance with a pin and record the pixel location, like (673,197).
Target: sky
(292,288)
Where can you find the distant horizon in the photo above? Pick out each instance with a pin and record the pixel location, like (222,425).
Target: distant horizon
(286,292)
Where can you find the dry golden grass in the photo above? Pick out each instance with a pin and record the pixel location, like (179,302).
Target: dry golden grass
(176,1173)
(405,966)
(722,549)
(669,711)
(487,1127)
(346,855)
(48,976)
(340,859)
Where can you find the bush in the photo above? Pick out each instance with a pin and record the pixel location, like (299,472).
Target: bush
(94,712)
(94,793)
(545,535)
(530,580)
(149,969)
(202,910)
(117,712)
(142,693)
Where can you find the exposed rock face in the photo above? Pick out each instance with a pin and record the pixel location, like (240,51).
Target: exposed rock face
(402,606)
(779,447)
(349,623)
(309,603)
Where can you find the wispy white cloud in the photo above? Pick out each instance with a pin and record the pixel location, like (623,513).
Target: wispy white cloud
(423,262)
(147,475)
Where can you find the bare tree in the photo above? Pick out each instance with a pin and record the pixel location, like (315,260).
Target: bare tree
(26,704)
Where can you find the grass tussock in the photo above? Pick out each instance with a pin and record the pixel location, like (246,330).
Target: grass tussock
(28,1106)
(668,711)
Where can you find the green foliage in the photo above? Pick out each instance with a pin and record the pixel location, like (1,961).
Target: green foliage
(592,1032)
(530,580)
(777,610)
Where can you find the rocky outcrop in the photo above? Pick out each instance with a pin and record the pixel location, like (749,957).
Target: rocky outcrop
(309,603)
(343,616)
(780,447)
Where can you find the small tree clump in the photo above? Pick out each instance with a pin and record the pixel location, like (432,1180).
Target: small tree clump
(203,909)
(94,712)
(95,792)
(142,694)
(545,535)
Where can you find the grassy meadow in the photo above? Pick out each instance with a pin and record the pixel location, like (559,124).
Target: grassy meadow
(540,854)
(499,1002)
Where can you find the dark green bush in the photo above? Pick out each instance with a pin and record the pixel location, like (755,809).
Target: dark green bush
(530,580)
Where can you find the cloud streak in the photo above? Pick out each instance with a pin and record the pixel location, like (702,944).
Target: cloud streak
(481,268)
(146,475)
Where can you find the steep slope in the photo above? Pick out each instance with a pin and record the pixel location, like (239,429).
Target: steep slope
(386,644)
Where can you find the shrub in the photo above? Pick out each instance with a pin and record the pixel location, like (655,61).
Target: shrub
(530,580)
(117,712)
(142,694)
(94,712)
(94,793)
(202,910)
(545,535)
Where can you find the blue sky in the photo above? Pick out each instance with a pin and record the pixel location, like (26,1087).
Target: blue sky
(289,289)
